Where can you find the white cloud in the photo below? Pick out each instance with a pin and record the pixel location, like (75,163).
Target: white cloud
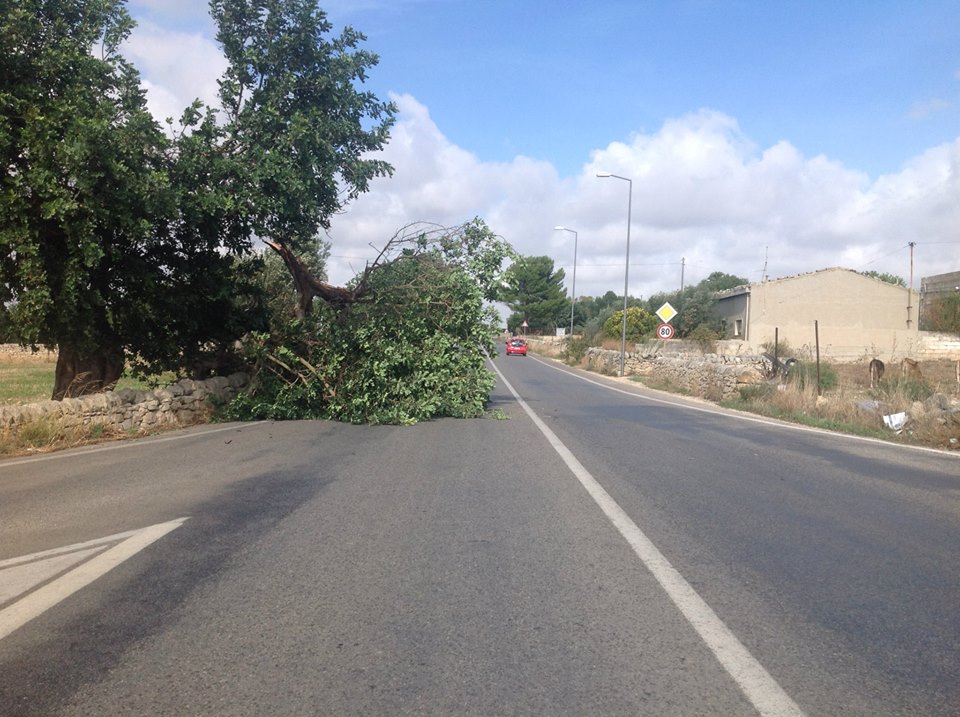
(701,191)
(922,110)
(176,68)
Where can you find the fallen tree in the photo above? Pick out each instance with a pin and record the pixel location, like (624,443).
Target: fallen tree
(406,341)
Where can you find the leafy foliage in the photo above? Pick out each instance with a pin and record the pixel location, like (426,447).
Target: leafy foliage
(415,349)
(83,180)
(121,242)
(943,314)
(695,303)
(534,292)
(640,324)
(804,374)
(888,278)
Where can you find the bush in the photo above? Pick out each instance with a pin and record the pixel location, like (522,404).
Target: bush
(639,324)
(706,338)
(575,350)
(903,389)
(804,373)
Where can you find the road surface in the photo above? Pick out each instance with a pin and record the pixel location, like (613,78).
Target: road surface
(592,548)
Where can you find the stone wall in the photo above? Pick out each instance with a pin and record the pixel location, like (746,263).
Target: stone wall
(709,375)
(180,404)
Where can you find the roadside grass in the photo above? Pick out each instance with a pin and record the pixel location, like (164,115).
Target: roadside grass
(46,433)
(30,382)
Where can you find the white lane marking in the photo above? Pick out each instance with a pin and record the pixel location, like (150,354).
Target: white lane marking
(124,444)
(37,602)
(755,682)
(18,579)
(66,549)
(750,419)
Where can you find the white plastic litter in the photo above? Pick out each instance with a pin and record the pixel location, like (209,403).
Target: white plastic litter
(895,421)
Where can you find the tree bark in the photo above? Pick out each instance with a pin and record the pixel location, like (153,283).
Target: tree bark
(80,374)
(308,286)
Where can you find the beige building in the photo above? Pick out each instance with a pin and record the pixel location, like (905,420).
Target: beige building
(856,316)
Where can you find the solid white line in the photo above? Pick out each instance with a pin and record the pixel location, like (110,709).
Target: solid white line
(760,688)
(37,602)
(751,419)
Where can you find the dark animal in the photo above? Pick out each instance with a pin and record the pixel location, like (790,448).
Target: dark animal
(876,372)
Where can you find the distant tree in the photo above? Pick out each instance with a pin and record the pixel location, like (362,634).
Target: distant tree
(535,294)
(640,324)
(695,304)
(943,314)
(719,281)
(884,276)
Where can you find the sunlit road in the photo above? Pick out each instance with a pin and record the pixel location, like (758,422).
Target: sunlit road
(591,549)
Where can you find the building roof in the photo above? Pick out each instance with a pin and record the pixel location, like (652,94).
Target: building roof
(745,289)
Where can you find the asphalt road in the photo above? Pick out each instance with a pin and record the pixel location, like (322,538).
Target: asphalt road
(598,549)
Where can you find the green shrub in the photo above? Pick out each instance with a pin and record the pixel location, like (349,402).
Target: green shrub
(576,349)
(804,373)
(756,392)
(903,388)
(705,337)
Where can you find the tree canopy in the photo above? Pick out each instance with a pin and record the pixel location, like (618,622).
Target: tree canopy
(534,293)
(121,242)
(887,277)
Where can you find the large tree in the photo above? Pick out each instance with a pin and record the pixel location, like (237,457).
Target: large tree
(120,243)
(83,182)
(535,294)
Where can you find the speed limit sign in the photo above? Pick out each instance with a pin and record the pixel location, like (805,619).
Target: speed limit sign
(665,331)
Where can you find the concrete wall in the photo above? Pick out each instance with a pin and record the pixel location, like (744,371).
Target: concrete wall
(858,316)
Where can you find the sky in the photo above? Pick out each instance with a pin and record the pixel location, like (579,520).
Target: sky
(760,138)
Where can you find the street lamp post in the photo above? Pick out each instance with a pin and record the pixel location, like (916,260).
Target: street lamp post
(626,270)
(573,287)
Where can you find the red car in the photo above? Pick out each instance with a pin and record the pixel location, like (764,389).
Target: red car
(516,346)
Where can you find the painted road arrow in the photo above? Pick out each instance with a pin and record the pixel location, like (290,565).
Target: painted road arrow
(60,572)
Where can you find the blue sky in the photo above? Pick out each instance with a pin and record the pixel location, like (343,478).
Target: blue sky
(796,135)
(552,80)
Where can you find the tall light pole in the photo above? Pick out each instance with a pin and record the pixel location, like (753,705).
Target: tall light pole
(573,288)
(626,270)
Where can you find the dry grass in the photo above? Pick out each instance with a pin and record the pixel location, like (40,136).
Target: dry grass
(46,434)
(853,407)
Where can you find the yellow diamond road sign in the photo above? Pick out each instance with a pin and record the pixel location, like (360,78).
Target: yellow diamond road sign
(666,312)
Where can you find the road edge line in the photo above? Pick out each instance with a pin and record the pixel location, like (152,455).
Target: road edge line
(758,685)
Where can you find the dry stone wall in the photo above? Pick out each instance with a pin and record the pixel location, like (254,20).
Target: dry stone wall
(709,375)
(179,404)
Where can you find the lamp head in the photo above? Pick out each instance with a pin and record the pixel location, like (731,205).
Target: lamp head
(604,174)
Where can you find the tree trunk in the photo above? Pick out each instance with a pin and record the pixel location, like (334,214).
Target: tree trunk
(79,374)
(308,286)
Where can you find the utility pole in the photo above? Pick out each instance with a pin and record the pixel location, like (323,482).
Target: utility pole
(910,288)
(683,265)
